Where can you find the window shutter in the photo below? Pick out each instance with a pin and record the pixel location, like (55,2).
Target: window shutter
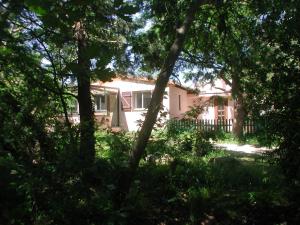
(126,101)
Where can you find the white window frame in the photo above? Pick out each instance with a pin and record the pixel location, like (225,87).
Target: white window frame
(105,103)
(134,94)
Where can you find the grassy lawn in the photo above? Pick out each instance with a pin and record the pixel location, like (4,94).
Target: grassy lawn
(220,187)
(250,139)
(223,188)
(182,179)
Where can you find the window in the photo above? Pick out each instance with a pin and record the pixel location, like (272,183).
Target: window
(100,103)
(142,99)
(221,109)
(211,102)
(179,102)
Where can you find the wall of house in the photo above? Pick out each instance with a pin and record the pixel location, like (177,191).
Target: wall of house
(219,88)
(195,100)
(175,111)
(102,118)
(130,120)
(209,112)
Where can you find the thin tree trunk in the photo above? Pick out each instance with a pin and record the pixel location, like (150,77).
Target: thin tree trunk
(239,108)
(157,97)
(161,84)
(87,139)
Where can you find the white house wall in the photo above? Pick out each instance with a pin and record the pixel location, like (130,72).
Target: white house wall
(221,89)
(218,88)
(175,112)
(129,120)
(209,110)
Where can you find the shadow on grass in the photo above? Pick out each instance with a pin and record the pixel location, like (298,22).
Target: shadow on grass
(237,188)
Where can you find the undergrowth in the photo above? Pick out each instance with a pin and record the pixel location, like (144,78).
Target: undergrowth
(181,179)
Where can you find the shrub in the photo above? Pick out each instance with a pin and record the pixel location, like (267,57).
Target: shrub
(193,141)
(113,146)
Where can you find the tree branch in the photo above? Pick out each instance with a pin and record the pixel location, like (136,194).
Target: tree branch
(222,75)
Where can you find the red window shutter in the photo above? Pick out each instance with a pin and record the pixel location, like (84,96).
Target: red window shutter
(126,101)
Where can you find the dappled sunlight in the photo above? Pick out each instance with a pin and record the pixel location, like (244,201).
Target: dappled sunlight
(221,187)
(246,148)
(98,128)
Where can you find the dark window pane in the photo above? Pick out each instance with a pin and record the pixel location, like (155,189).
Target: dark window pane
(139,100)
(97,102)
(100,103)
(147,99)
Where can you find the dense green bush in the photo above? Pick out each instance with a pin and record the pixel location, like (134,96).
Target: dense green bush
(190,139)
(179,187)
(113,146)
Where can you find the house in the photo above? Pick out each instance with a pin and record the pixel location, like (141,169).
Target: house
(123,102)
(217,99)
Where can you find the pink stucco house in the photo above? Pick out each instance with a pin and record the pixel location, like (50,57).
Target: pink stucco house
(123,101)
(217,99)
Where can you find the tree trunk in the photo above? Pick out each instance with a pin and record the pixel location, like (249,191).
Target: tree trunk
(86,112)
(161,84)
(239,109)
(157,97)
(239,115)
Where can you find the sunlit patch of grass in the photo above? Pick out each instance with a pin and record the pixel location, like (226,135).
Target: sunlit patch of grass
(257,140)
(216,153)
(175,184)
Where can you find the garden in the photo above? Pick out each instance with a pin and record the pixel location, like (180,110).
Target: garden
(58,171)
(182,179)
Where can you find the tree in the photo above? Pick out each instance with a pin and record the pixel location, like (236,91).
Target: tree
(78,40)
(157,95)
(276,94)
(218,46)
(225,47)
(39,60)
(26,108)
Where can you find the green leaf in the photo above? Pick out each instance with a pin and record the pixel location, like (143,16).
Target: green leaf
(38,10)
(36,6)
(127,10)
(117,3)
